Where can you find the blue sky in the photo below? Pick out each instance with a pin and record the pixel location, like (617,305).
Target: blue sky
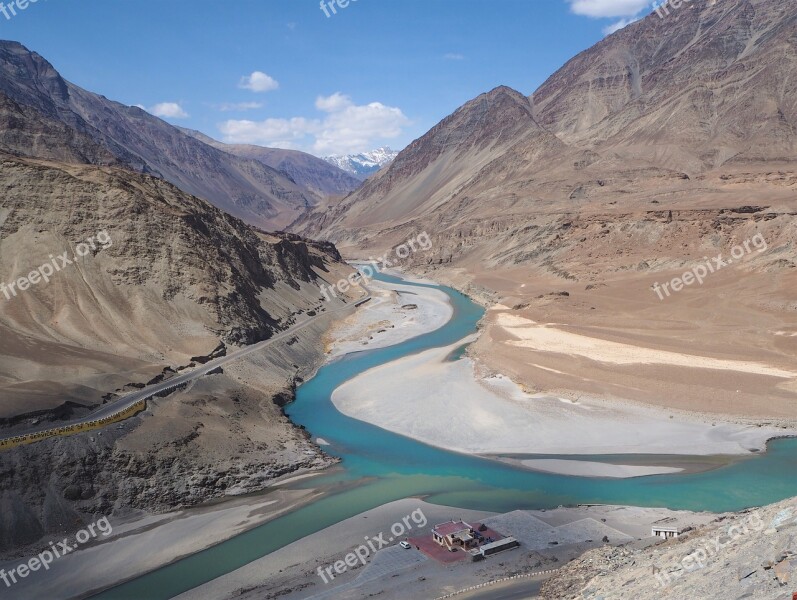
(379,72)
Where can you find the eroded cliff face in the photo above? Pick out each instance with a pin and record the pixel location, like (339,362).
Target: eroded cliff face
(169,280)
(223,436)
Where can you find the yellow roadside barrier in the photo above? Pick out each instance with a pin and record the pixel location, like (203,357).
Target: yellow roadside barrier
(21,440)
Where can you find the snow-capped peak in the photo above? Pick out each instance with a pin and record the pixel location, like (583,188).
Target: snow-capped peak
(365,164)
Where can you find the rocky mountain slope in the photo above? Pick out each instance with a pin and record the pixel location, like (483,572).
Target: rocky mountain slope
(424,177)
(75,125)
(697,90)
(751,554)
(365,164)
(655,106)
(173,280)
(669,142)
(312,173)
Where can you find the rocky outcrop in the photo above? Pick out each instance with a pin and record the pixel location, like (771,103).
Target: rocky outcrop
(171,280)
(747,554)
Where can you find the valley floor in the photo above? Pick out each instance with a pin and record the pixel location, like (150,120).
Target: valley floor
(469,407)
(143,543)
(404,396)
(426,389)
(726,348)
(549,539)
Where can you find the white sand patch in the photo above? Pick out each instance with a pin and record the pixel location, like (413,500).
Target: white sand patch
(498,307)
(384,322)
(583,468)
(550,339)
(507,321)
(549,369)
(444,404)
(137,548)
(293,478)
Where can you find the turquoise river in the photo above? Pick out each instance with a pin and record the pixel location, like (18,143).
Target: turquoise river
(379,467)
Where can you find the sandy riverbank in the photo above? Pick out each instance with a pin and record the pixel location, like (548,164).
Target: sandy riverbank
(585,468)
(151,542)
(456,406)
(548,538)
(395,314)
(148,542)
(726,348)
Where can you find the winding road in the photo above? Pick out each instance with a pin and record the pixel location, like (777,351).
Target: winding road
(128,400)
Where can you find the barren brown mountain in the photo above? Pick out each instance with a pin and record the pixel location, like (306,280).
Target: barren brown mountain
(64,122)
(179,280)
(659,148)
(315,175)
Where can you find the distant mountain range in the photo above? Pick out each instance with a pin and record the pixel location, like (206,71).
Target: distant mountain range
(318,176)
(66,123)
(669,113)
(365,164)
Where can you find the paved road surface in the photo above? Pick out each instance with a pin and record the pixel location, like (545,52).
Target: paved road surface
(521,589)
(126,401)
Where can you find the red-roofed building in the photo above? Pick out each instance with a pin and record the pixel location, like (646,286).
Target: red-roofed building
(455,533)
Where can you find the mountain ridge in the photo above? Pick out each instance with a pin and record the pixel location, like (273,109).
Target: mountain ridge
(131,137)
(316,175)
(629,110)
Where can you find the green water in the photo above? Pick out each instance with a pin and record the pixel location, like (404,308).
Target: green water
(380,467)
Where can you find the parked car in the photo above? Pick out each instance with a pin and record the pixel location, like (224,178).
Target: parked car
(405,545)
(452,549)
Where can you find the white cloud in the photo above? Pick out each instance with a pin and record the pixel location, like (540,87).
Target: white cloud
(345,128)
(279,133)
(453,56)
(608,8)
(618,25)
(239,106)
(629,11)
(258,82)
(334,103)
(168,110)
